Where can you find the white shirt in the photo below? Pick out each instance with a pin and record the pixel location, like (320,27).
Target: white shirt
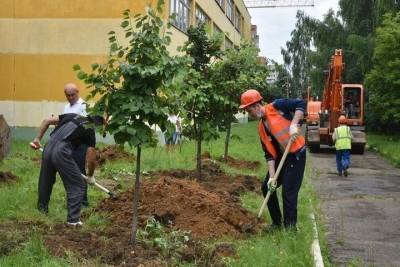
(174,119)
(79,108)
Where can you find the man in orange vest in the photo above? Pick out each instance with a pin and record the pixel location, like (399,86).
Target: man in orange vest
(279,122)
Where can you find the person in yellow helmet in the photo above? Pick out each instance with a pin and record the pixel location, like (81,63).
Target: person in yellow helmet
(342,137)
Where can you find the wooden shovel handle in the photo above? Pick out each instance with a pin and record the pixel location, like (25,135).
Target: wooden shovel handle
(278,170)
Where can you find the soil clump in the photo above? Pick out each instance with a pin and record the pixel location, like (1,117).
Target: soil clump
(111,153)
(209,209)
(6,177)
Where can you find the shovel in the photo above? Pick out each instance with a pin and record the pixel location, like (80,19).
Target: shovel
(271,190)
(102,188)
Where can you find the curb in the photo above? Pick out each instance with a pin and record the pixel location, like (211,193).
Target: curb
(315,247)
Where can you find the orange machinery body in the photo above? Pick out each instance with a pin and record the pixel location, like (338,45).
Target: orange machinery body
(338,99)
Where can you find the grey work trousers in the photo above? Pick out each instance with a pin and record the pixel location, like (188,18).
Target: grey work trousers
(57,157)
(79,155)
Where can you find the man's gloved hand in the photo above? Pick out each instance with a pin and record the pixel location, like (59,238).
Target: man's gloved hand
(272,184)
(293,130)
(91,180)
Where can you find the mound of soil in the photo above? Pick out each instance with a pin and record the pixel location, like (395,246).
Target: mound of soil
(113,152)
(6,177)
(240,163)
(235,163)
(208,209)
(215,179)
(185,205)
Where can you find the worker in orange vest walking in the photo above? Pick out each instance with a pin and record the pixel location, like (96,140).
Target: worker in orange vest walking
(342,137)
(279,122)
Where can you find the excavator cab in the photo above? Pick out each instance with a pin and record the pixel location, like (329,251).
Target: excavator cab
(353,104)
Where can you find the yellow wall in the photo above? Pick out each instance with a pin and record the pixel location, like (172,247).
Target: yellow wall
(42,39)
(41,77)
(69,8)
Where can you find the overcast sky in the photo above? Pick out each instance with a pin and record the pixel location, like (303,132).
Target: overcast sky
(275,24)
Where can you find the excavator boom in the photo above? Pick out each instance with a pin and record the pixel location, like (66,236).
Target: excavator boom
(338,99)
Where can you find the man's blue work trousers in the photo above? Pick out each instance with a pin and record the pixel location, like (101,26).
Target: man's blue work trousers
(342,160)
(290,178)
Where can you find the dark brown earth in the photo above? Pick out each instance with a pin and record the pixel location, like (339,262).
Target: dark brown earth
(209,209)
(240,164)
(111,153)
(361,211)
(235,163)
(6,177)
(13,235)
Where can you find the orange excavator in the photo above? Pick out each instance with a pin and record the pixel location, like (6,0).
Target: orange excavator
(338,99)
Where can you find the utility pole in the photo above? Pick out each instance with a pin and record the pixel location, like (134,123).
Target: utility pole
(277,3)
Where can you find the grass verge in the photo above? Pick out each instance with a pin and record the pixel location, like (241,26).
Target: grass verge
(282,248)
(386,145)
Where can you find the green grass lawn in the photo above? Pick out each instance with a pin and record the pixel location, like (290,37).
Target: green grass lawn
(386,145)
(18,203)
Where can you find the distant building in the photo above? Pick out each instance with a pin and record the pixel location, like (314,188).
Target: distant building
(262,60)
(42,40)
(254,36)
(272,74)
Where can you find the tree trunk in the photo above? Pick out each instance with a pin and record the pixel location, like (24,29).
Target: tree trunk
(227,138)
(198,167)
(136,198)
(5,138)
(197,134)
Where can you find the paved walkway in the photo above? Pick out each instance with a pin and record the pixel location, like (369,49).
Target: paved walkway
(361,211)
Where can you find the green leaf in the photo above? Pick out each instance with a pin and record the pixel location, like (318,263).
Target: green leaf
(81,75)
(76,67)
(95,66)
(125,24)
(114,47)
(130,130)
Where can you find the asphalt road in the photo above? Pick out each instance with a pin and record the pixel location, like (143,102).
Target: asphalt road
(361,211)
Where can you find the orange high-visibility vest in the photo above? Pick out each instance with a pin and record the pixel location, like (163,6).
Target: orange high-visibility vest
(279,128)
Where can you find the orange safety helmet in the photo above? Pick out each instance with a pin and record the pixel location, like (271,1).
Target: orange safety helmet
(249,97)
(342,119)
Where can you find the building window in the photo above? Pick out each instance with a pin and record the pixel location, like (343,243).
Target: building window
(242,26)
(181,10)
(201,16)
(228,43)
(238,20)
(221,3)
(230,10)
(216,29)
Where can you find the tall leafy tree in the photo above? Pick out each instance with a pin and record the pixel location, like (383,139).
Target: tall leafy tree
(198,95)
(384,79)
(328,35)
(296,54)
(129,87)
(237,71)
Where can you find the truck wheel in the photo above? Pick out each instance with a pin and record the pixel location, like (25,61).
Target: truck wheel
(358,149)
(314,148)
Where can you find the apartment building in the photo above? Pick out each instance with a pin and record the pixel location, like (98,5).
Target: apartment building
(42,39)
